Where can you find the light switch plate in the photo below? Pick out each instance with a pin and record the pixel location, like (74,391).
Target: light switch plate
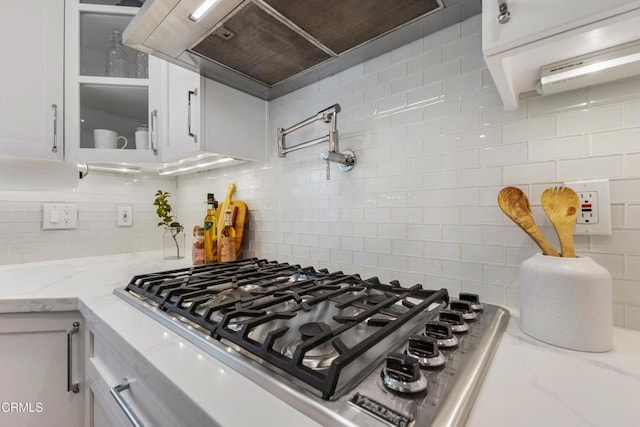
(59,216)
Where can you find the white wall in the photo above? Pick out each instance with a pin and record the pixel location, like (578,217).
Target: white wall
(98,197)
(434,149)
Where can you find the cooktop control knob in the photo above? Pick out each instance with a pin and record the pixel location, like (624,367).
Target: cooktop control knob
(426,350)
(442,333)
(464,308)
(455,320)
(402,373)
(474,299)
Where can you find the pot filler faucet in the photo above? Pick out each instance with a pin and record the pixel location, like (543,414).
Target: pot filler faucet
(345,160)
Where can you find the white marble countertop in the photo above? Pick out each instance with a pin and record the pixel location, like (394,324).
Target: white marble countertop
(529,383)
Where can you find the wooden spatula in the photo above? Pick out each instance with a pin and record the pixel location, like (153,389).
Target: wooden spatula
(561,205)
(515,205)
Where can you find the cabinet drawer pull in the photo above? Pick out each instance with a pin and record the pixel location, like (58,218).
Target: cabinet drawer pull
(152,121)
(191,134)
(71,386)
(54,147)
(115,392)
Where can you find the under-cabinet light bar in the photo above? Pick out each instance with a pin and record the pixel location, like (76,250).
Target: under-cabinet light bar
(85,168)
(195,166)
(202,9)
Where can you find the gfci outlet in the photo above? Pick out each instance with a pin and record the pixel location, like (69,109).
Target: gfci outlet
(594,214)
(59,216)
(125,216)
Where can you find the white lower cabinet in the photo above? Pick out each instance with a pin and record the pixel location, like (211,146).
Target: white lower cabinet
(147,399)
(41,359)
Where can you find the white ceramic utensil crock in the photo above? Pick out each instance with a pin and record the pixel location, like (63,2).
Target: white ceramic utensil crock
(567,302)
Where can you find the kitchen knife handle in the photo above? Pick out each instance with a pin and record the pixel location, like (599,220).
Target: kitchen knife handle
(152,121)
(115,392)
(54,147)
(191,134)
(71,386)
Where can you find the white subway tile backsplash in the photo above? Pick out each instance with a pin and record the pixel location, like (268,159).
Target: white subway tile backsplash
(497,115)
(461,233)
(503,154)
(461,196)
(393,72)
(465,46)
(406,83)
(543,127)
(480,138)
(592,120)
(463,84)
(442,250)
(616,91)
(559,148)
(558,103)
(481,177)
(442,72)
(480,100)
(426,266)
(530,172)
(590,168)
(460,159)
(632,164)
(622,141)
(461,122)
(462,270)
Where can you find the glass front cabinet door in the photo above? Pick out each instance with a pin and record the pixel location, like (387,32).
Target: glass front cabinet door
(112,92)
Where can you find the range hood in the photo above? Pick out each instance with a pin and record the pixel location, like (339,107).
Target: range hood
(268,48)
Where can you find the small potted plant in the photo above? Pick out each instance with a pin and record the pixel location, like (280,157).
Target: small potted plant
(173,237)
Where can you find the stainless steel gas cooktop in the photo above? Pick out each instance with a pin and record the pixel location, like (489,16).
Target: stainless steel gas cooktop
(344,350)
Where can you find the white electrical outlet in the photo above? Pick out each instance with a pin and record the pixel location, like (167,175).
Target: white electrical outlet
(59,216)
(594,213)
(125,216)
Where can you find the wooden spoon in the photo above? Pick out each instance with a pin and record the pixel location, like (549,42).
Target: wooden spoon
(515,205)
(561,205)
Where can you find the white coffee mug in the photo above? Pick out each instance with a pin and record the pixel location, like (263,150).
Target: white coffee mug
(103,138)
(142,138)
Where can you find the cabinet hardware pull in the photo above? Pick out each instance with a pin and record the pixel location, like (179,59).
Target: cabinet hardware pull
(71,386)
(152,120)
(115,392)
(54,147)
(504,15)
(191,134)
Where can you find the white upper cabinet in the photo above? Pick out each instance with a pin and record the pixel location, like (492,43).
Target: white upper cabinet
(31,78)
(208,117)
(105,104)
(542,32)
(234,122)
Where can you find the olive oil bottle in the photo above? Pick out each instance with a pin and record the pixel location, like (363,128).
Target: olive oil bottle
(228,247)
(211,231)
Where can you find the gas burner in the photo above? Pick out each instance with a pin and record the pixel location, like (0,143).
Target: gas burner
(292,305)
(318,358)
(374,299)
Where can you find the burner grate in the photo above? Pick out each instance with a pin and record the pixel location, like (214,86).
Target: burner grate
(259,305)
